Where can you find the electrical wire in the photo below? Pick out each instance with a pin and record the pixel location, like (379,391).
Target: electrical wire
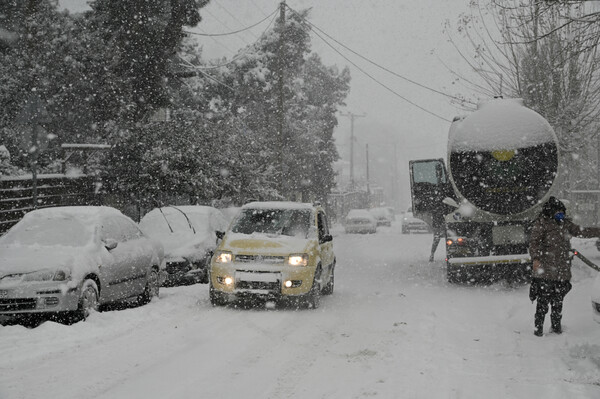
(226,26)
(258,8)
(375,80)
(237,57)
(381,84)
(232,15)
(314,27)
(222,45)
(189,64)
(233,32)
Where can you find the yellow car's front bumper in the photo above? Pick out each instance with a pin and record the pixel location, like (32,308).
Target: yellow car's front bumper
(261,279)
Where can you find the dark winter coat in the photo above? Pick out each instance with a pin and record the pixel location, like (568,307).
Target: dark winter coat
(550,243)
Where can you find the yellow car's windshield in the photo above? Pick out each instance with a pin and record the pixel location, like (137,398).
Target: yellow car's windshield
(290,222)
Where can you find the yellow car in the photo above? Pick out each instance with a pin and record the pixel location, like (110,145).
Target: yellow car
(274,251)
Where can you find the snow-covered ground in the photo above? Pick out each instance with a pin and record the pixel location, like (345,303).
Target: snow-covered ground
(394,328)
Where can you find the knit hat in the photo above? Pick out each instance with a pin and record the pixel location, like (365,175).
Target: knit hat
(552,206)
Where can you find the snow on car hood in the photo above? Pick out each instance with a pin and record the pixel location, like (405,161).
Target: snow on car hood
(265,244)
(19,259)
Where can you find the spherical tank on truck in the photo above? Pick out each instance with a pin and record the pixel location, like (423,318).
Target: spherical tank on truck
(503,159)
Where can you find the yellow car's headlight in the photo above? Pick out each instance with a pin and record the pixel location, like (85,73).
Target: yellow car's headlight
(297,260)
(223,257)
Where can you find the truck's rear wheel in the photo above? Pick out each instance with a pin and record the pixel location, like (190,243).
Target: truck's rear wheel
(453,274)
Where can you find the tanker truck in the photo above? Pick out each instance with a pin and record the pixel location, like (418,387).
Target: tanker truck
(502,165)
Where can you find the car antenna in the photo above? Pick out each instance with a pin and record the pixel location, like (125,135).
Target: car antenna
(186,218)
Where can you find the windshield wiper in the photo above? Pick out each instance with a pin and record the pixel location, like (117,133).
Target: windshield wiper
(186,218)
(166,220)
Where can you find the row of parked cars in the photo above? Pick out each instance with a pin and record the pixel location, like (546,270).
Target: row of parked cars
(62,263)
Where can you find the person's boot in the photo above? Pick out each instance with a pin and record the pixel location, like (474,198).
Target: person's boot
(556,327)
(539,325)
(431,259)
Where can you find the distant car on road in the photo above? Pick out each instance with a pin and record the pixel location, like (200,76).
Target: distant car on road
(383,216)
(360,221)
(412,224)
(189,236)
(67,261)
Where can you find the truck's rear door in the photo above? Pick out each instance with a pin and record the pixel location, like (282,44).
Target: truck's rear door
(429,185)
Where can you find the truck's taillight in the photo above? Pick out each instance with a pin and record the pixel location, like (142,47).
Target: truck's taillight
(458,241)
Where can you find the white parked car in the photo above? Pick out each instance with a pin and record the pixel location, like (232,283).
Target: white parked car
(383,216)
(188,234)
(596,298)
(67,261)
(360,221)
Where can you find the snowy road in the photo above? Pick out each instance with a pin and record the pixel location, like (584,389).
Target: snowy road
(394,328)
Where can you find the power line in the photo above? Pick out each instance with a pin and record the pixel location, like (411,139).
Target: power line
(232,15)
(237,57)
(206,74)
(375,80)
(257,7)
(224,24)
(314,27)
(243,54)
(234,32)
(218,42)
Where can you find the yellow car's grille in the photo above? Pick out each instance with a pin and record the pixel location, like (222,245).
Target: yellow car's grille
(259,259)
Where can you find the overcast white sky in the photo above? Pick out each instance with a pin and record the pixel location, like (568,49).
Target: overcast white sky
(406,36)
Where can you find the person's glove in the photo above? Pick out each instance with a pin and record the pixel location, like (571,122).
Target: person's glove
(534,289)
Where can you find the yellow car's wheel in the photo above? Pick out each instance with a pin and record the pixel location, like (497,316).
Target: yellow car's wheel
(313,298)
(328,289)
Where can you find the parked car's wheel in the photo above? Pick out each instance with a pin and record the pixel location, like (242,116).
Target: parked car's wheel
(203,270)
(152,288)
(328,289)
(88,300)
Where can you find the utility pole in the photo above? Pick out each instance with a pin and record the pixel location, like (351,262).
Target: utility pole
(282,138)
(395,177)
(368,187)
(352,118)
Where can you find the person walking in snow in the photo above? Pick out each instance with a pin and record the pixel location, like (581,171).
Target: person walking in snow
(549,248)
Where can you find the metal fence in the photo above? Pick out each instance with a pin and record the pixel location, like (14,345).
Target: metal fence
(17,195)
